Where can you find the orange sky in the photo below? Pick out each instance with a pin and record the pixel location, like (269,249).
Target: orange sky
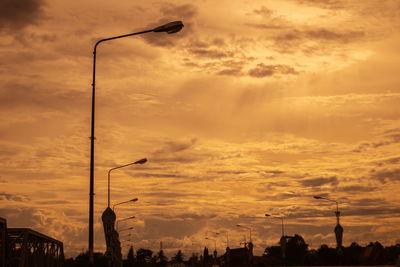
(253,108)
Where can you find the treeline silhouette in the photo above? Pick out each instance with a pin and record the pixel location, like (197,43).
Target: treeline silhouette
(297,253)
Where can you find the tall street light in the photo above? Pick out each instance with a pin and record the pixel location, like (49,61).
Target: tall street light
(215,242)
(169,28)
(332,200)
(338,228)
(141,161)
(123,202)
(281,218)
(282,241)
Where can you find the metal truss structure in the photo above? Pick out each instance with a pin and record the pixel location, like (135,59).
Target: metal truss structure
(28,248)
(3,236)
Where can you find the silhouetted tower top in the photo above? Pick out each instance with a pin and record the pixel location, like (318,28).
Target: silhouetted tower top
(338,231)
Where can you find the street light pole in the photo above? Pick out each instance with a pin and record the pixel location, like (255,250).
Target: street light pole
(329,199)
(125,229)
(169,28)
(247,227)
(215,242)
(283,238)
(118,221)
(123,202)
(337,212)
(141,161)
(281,218)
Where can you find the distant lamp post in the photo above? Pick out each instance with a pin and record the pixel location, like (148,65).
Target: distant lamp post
(141,161)
(123,202)
(215,242)
(246,227)
(281,218)
(125,229)
(338,228)
(122,220)
(227,239)
(169,28)
(282,241)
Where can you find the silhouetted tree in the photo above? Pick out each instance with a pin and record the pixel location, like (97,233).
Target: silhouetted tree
(161,259)
(143,256)
(193,260)
(178,257)
(296,250)
(130,261)
(352,254)
(392,254)
(374,254)
(327,255)
(82,260)
(273,255)
(312,257)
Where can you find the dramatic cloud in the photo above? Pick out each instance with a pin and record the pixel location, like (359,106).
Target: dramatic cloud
(263,70)
(385,176)
(15,95)
(5,196)
(320,181)
(15,15)
(331,4)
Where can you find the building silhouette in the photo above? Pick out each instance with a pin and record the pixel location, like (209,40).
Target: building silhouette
(239,256)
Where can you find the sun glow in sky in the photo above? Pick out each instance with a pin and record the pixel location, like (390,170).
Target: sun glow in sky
(253,108)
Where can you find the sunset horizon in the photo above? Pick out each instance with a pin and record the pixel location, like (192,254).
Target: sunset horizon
(252,112)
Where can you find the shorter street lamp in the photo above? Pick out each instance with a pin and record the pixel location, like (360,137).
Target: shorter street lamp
(215,242)
(141,161)
(227,239)
(226,235)
(129,218)
(281,218)
(246,227)
(132,200)
(125,229)
(194,247)
(332,200)
(283,238)
(338,229)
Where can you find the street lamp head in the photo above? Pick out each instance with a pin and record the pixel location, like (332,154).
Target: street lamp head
(267,215)
(317,197)
(141,161)
(169,28)
(134,199)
